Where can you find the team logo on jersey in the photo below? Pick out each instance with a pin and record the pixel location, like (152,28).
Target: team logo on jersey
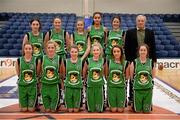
(73,77)
(143,78)
(36,49)
(50,73)
(28,75)
(116,77)
(58,45)
(80,47)
(96,74)
(114,42)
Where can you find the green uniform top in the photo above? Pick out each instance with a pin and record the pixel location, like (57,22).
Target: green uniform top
(73,74)
(50,70)
(116,76)
(143,74)
(81,41)
(58,37)
(95,73)
(114,38)
(37,42)
(27,71)
(97,35)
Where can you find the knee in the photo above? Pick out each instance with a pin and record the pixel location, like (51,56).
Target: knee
(24,110)
(113,110)
(70,110)
(120,110)
(31,109)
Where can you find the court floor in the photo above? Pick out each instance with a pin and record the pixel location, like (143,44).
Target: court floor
(166,103)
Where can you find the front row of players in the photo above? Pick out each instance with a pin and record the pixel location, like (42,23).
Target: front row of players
(52,73)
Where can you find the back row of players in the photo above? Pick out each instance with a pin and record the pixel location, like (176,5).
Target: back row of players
(45,61)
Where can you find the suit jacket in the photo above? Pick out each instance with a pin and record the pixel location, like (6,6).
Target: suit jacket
(131,44)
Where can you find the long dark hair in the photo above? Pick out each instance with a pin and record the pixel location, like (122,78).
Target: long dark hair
(26,43)
(95,14)
(122,54)
(36,19)
(147,47)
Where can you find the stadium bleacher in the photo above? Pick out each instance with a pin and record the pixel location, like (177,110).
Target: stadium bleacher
(17,24)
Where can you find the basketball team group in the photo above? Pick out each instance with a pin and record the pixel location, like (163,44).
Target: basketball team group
(88,68)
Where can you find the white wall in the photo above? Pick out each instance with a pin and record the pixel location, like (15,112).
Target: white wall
(77,6)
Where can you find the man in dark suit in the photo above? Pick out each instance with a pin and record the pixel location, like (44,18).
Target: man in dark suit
(135,37)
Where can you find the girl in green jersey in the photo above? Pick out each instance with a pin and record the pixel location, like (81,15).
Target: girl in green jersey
(27,68)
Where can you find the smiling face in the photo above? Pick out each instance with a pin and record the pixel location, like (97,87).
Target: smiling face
(116,23)
(116,53)
(143,51)
(140,21)
(35,26)
(74,53)
(80,25)
(51,49)
(28,49)
(96,51)
(57,23)
(97,19)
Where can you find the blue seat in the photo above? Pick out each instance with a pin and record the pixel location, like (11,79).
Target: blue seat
(14,52)
(162,54)
(158,42)
(172,53)
(15,36)
(11,40)
(4,52)
(8,46)
(169,47)
(177,47)
(7,35)
(159,47)
(3,40)
(165,42)
(17,46)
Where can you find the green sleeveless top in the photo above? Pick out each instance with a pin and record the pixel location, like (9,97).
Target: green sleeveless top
(73,74)
(59,39)
(37,42)
(50,72)
(97,35)
(143,74)
(27,71)
(116,76)
(95,73)
(114,38)
(81,41)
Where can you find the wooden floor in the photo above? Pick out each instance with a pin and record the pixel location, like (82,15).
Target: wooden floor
(12,112)
(170,77)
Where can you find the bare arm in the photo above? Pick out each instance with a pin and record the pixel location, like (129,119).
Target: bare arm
(62,73)
(127,72)
(87,50)
(46,39)
(131,70)
(85,71)
(153,72)
(25,40)
(38,68)
(17,68)
(106,70)
(71,40)
(105,36)
(67,41)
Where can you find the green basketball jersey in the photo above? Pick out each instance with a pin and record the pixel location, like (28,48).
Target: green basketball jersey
(116,76)
(59,39)
(50,73)
(97,35)
(37,42)
(27,71)
(81,41)
(143,74)
(95,73)
(114,38)
(73,74)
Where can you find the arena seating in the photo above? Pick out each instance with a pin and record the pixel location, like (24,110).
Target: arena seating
(17,24)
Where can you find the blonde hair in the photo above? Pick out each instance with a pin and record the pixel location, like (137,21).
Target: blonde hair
(99,46)
(50,42)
